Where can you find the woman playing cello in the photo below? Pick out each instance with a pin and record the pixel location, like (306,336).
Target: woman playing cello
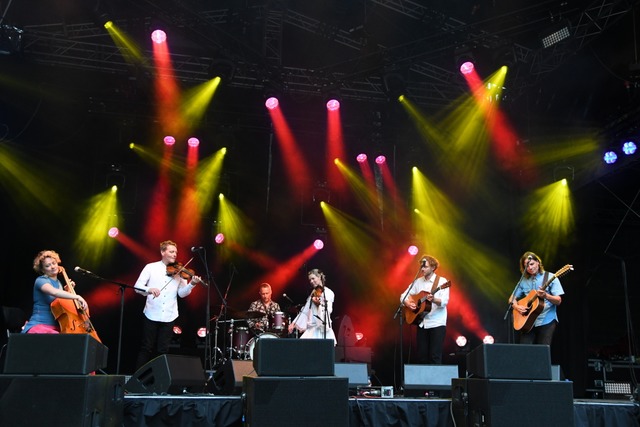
(45,290)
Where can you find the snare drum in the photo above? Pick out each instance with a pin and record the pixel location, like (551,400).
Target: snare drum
(240,339)
(252,342)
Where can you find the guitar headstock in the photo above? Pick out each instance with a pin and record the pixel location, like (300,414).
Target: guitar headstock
(445,286)
(564,270)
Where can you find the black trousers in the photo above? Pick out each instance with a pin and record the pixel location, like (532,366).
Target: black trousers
(539,334)
(430,344)
(156,339)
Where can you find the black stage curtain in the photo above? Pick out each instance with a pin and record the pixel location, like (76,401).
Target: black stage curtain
(182,412)
(140,411)
(397,412)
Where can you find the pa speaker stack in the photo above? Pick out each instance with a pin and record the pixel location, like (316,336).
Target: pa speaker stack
(48,379)
(505,381)
(295,385)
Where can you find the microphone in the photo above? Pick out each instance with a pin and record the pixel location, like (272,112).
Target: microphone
(83,271)
(197,248)
(287,297)
(423,262)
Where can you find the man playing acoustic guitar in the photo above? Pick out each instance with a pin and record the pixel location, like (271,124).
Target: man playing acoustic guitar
(428,297)
(536,320)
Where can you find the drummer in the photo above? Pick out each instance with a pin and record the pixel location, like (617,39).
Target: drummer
(264,305)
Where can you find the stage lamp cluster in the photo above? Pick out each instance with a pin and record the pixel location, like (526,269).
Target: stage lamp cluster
(627,148)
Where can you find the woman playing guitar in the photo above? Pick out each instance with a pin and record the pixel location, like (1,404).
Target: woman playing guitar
(535,299)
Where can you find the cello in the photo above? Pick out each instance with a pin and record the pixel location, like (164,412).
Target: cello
(73,319)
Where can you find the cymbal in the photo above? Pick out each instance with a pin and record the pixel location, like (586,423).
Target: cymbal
(230,320)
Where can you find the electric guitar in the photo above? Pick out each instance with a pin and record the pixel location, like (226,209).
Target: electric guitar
(422,305)
(524,321)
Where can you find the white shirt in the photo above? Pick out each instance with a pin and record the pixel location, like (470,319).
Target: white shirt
(438,314)
(164,308)
(311,318)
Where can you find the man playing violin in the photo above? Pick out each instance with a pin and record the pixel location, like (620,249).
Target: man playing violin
(162,286)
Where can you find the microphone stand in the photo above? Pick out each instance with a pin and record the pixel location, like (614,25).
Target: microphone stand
(202,254)
(223,315)
(401,323)
(122,287)
(326,314)
(510,332)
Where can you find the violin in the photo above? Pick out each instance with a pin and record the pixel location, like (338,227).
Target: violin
(184,272)
(177,268)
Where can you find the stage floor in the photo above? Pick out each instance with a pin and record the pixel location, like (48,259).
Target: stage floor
(210,410)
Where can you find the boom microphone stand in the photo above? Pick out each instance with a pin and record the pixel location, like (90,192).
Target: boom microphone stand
(507,317)
(401,323)
(123,287)
(202,253)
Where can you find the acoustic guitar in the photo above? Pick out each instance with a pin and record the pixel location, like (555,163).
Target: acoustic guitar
(422,305)
(524,321)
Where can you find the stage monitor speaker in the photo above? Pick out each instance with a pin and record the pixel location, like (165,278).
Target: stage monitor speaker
(294,357)
(497,403)
(71,400)
(56,354)
(356,373)
(421,378)
(510,361)
(228,379)
(295,402)
(168,374)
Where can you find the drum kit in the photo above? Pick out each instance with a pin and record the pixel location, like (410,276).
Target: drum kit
(240,336)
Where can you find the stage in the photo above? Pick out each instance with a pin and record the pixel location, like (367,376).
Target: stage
(209,410)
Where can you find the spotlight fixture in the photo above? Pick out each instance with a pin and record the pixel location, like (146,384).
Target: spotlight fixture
(555,34)
(563,172)
(272,103)
(629,148)
(223,68)
(158,36)
(464,60)
(610,157)
(488,339)
(113,232)
(333,104)
(461,341)
(394,84)
(10,39)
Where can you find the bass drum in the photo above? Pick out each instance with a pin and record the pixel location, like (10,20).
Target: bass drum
(252,343)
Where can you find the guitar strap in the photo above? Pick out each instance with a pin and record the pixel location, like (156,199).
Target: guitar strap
(545,277)
(436,280)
